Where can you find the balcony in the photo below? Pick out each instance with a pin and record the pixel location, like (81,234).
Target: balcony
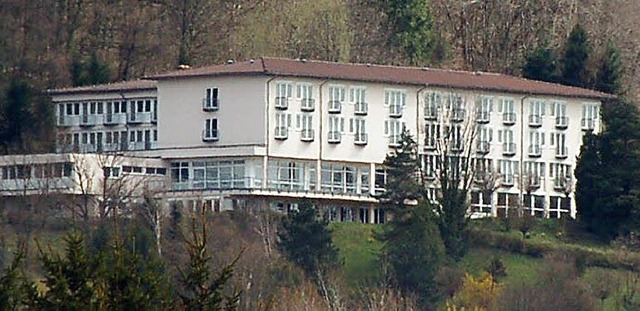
(114,118)
(334,137)
(394,141)
(429,143)
(335,106)
(149,145)
(361,138)
(210,104)
(561,183)
(307,135)
(66,121)
(136,145)
(509,118)
(507,180)
(533,182)
(87,120)
(308,104)
(508,149)
(154,117)
(535,151)
(483,147)
(281,133)
(535,120)
(483,117)
(458,115)
(361,109)
(431,113)
(561,153)
(395,111)
(282,103)
(456,146)
(562,123)
(588,124)
(139,117)
(209,135)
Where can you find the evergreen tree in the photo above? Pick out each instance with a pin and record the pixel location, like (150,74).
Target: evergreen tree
(404,177)
(17,115)
(541,65)
(608,187)
(576,56)
(415,251)
(411,24)
(13,286)
(610,71)
(89,73)
(306,241)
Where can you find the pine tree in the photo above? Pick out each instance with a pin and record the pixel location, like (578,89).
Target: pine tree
(14,290)
(415,251)
(610,72)
(16,112)
(305,239)
(576,56)
(541,65)
(404,178)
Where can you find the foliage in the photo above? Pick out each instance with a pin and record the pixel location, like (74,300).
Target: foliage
(415,251)
(404,177)
(200,290)
(576,56)
(610,72)
(411,24)
(608,182)
(541,64)
(477,294)
(496,269)
(90,72)
(306,240)
(17,115)
(13,292)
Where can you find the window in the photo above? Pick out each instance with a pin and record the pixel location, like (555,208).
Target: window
(433,104)
(307,133)
(589,116)
(395,100)
(338,178)
(286,175)
(507,169)
(393,129)
(484,107)
(224,174)
(454,140)
(507,107)
(533,171)
(180,172)
(456,107)
(559,110)
(380,181)
(358,96)
(561,147)
(283,122)
(283,93)
(210,132)
(485,136)
(561,174)
(336,127)
(336,98)
(360,131)
(210,102)
(536,111)
(305,95)
(432,135)
(508,146)
(536,141)
(430,165)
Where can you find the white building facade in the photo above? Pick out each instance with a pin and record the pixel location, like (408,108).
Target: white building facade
(272,131)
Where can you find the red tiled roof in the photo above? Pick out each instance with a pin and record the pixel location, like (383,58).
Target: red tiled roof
(386,74)
(109,87)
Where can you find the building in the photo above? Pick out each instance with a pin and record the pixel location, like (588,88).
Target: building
(270,131)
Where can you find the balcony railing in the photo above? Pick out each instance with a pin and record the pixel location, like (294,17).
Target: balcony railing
(282,103)
(308,104)
(507,180)
(535,120)
(210,104)
(395,111)
(533,182)
(334,137)
(87,120)
(458,115)
(431,113)
(361,138)
(361,108)
(281,132)
(562,122)
(561,153)
(509,118)
(508,149)
(561,183)
(482,117)
(588,124)
(535,151)
(139,117)
(429,143)
(335,106)
(394,141)
(209,135)
(114,118)
(307,135)
(483,147)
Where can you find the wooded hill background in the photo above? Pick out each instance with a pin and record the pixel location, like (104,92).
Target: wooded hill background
(59,43)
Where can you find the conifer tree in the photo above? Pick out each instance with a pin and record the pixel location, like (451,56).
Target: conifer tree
(541,64)
(17,116)
(305,240)
(404,177)
(411,23)
(14,290)
(610,71)
(576,56)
